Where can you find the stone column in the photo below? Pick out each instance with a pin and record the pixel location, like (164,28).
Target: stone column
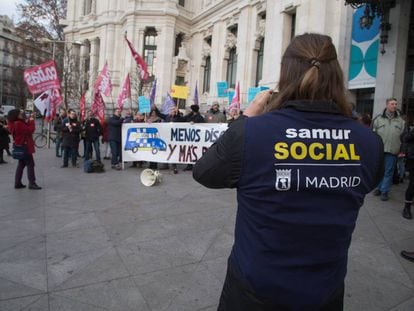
(196,56)
(94,61)
(83,55)
(391,65)
(218,64)
(110,44)
(165,53)
(273,47)
(246,39)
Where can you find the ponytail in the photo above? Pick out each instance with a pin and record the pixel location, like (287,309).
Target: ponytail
(310,71)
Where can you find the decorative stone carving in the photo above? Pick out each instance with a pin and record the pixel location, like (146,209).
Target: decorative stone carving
(182,50)
(182,65)
(208,32)
(261,27)
(233,20)
(231,41)
(206,49)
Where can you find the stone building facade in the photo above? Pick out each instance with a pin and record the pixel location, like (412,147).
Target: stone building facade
(208,41)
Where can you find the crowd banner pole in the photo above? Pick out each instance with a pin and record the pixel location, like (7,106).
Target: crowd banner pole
(48,134)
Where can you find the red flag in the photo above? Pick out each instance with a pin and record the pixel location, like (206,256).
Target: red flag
(98,106)
(82,105)
(142,66)
(56,100)
(235,101)
(125,93)
(42,77)
(103,82)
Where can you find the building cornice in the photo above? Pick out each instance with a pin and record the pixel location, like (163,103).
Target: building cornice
(181,14)
(230,17)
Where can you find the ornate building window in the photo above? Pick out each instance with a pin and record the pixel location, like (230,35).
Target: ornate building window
(232,68)
(259,64)
(178,40)
(293,25)
(207,75)
(87,7)
(181,2)
(150,50)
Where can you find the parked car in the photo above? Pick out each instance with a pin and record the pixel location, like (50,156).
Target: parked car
(4,109)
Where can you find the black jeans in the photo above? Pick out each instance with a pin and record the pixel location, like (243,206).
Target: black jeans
(59,148)
(29,162)
(238,296)
(116,152)
(88,152)
(72,152)
(409,193)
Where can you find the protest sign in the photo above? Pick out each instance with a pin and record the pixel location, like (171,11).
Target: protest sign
(144,104)
(182,143)
(178,91)
(222,89)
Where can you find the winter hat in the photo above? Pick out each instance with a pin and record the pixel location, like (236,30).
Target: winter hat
(195,108)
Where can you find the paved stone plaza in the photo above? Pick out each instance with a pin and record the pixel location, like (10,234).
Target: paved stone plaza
(105,242)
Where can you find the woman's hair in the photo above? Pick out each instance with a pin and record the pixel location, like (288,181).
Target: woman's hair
(13,115)
(310,71)
(366,119)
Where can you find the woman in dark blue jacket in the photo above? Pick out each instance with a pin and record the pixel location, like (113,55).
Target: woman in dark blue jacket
(302,167)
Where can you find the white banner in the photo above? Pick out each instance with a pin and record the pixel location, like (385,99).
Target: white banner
(182,143)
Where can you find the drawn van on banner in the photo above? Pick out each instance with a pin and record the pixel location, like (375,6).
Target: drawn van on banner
(144,139)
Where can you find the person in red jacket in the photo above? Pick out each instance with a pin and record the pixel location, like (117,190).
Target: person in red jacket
(22,130)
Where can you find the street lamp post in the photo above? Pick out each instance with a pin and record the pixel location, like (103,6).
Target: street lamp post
(3,70)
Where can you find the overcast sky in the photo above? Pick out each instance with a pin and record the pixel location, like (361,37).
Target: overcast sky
(8,7)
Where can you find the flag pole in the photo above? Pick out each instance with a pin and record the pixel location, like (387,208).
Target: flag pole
(48,127)
(112,100)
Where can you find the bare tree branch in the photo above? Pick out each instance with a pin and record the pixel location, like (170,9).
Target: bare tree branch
(45,15)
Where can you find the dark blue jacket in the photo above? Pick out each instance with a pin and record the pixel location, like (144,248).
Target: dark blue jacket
(114,128)
(301,174)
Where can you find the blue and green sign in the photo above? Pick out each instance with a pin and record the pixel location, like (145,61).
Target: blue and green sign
(364,53)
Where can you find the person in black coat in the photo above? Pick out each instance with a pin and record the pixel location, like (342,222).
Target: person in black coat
(408,149)
(174,116)
(194,115)
(93,130)
(57,126)
(4,140)
(70,138)
(115,138)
